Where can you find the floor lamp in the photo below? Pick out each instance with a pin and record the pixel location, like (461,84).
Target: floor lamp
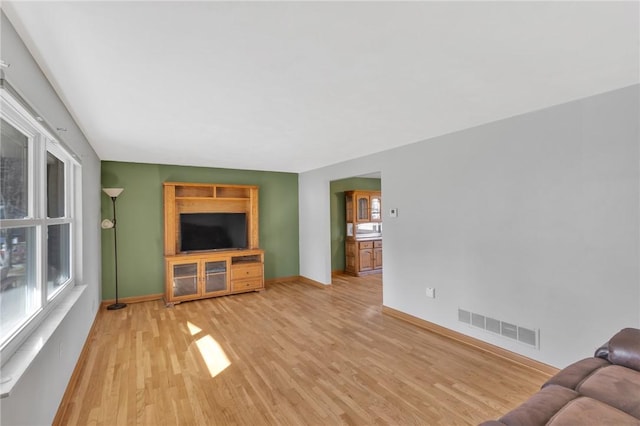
(111,224)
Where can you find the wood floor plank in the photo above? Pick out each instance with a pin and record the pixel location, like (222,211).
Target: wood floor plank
(294,354)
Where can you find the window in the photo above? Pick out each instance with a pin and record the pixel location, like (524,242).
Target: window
(37,222)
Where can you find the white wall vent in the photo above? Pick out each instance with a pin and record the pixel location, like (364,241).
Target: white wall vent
(509,330)
(493,325)
(477,320)
(527,336)
(505,329)
(464,316)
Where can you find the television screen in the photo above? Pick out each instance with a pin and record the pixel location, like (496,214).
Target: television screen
(213,231)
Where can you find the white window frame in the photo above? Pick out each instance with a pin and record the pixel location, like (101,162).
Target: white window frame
(41,141)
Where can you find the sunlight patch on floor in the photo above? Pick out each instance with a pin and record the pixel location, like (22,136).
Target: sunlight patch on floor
(212,353)
(193,329)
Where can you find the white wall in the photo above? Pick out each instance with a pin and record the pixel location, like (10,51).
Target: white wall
(532,220)
(35,399)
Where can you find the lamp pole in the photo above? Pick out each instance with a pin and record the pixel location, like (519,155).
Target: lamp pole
(113,193)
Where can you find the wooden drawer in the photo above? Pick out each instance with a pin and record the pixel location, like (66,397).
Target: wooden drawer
(377,244)
(365,245)
(246,271)
(242,285)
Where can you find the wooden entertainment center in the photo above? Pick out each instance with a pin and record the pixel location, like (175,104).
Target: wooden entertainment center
(201,274)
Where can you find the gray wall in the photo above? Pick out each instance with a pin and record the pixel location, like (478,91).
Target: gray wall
(533,220)
(35,399)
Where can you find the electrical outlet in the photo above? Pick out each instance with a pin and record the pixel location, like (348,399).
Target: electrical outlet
(431,292)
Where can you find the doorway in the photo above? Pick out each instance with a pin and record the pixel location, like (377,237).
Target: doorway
(369,182)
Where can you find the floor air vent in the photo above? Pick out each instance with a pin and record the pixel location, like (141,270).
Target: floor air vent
(505,329)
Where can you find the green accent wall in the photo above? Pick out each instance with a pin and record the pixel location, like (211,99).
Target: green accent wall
(140,221)
(338,226)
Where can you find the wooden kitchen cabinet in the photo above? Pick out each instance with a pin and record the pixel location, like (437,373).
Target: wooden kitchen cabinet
(377,254)
(363,257)
(350,257)
(363,240)
(363,206)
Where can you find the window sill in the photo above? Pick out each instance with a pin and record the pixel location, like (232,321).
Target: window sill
(20,361)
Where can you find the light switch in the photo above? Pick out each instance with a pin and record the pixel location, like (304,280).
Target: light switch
(393,212)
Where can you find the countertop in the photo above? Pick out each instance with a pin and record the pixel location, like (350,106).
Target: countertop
(367,238)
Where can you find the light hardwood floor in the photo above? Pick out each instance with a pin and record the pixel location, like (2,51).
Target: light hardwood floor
(297,355)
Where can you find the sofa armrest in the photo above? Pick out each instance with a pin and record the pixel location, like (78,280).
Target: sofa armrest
(624,348)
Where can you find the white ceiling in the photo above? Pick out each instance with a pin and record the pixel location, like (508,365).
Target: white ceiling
(293,86)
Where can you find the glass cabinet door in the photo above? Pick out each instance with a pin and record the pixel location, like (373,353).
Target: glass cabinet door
(376,208)
(363,208)
(215,276)
(348,204)
(185,279)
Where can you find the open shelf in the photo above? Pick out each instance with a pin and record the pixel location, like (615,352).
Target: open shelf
(228,192)
(232,192)
(240,260)
(194,192)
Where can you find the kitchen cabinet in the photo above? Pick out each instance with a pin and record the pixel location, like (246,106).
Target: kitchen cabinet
(363,257)
(363,206)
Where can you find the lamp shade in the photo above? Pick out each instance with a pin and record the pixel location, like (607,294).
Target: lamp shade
(113,192)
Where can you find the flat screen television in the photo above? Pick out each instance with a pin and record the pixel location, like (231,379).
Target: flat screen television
(213,231)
